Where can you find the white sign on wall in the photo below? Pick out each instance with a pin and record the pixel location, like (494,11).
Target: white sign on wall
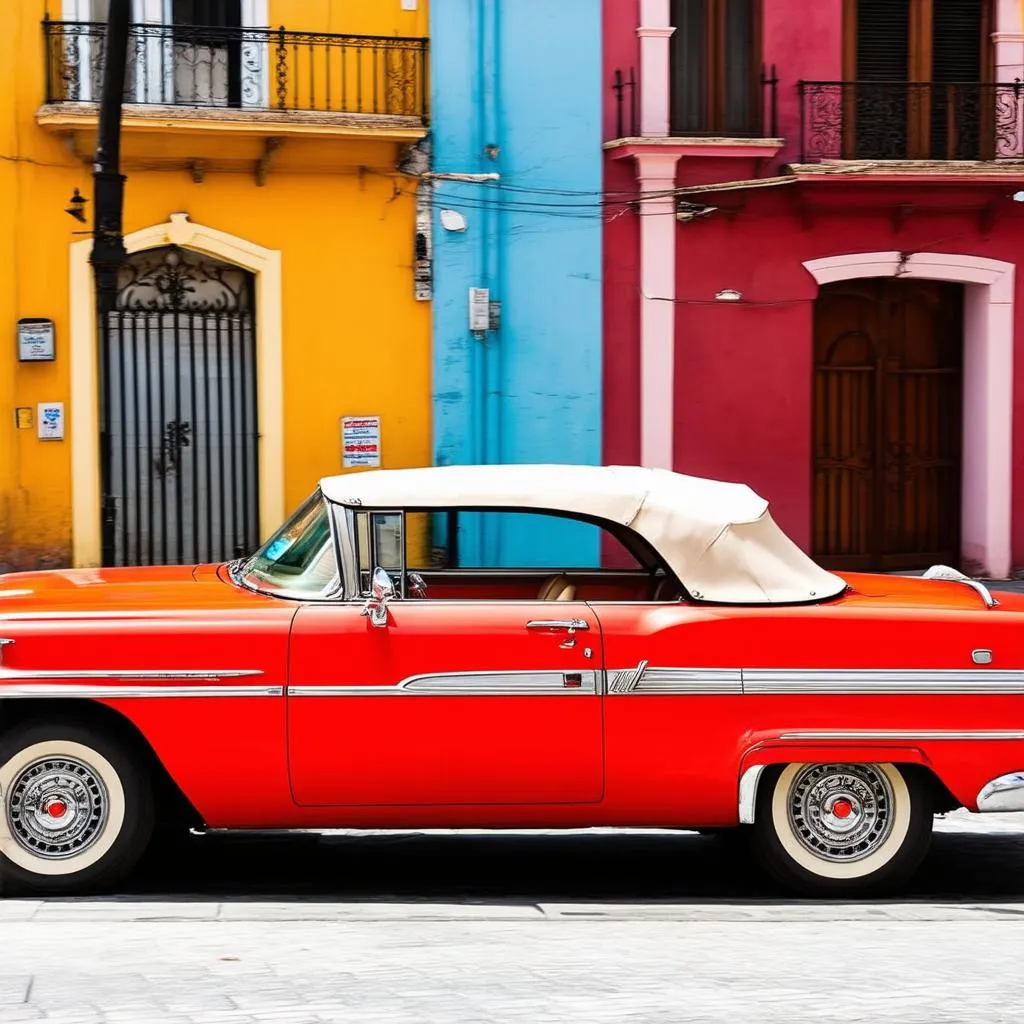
(35,340)
(50,421)
(360,441)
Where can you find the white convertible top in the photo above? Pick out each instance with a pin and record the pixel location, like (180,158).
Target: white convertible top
(718,538)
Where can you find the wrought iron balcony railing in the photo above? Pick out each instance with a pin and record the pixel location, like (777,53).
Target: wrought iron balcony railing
(755,119)
(244,68)
(911,121)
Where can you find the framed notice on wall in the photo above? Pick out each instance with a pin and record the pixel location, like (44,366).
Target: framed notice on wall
(360,441)
(36,340)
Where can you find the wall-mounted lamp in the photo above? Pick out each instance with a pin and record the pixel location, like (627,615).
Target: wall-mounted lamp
(1018,197)
(729,295)
(77,206)
(452,220)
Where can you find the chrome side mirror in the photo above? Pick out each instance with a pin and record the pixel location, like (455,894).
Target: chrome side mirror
(382,590)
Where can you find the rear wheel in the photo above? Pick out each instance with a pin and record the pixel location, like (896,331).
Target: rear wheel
(76,809)
(830,829)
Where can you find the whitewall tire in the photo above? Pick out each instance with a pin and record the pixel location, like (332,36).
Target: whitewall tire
(76,811)
(842,828)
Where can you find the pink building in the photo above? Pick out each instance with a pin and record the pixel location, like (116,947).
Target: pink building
(816,293)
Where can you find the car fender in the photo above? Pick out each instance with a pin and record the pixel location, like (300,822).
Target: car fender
(774,751)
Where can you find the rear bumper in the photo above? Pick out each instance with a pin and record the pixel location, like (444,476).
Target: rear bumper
(1003,794)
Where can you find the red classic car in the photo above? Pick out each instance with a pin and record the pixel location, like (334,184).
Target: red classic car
(380,664)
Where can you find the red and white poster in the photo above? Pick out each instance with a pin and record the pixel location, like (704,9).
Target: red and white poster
(360,441)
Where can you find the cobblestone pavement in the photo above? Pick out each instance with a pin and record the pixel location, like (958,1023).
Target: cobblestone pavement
(597,927)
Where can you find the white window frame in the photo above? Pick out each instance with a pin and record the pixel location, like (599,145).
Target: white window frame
(159,83)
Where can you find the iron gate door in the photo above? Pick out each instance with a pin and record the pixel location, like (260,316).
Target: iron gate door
(180,423)
(887,424)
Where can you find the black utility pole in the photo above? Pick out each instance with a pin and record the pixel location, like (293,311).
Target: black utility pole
(108,183)
(108,251)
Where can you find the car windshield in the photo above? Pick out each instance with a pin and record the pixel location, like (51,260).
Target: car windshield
(299,560)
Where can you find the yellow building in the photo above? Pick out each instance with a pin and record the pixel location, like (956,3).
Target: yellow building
(270,290)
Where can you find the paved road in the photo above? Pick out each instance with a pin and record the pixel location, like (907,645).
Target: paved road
(597,927)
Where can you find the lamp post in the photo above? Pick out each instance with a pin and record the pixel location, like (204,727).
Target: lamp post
(108,250)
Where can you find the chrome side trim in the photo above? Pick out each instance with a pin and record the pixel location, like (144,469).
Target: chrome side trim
(69,690)
(748,793)
(625,680)
(467,684)
(1003,794)
(903,734)
(675,681)
(17,675)
(691,681)
(881,681)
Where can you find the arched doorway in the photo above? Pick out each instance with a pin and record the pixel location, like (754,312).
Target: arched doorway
(888,383)
(179,414)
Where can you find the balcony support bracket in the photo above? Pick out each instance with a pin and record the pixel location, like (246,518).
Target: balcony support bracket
(987,217)
(263,164)
(198,169)
(900,215)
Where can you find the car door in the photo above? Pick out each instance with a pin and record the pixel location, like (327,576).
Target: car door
(450,702)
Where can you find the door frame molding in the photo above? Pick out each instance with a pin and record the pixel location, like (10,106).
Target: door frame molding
(84,412)
(986,462)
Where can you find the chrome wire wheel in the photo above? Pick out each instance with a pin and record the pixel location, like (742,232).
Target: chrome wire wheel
(841,813)
(834,826)
(57,807)
(63,805)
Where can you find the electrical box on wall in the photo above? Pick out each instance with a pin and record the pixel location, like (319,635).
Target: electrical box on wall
(36,340)
(479,309)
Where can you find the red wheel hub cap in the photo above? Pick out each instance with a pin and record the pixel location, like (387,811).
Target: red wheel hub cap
(842,808)
(57,809)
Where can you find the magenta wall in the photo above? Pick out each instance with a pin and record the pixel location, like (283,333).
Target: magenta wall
(804,40)
(621,49)
(743,373)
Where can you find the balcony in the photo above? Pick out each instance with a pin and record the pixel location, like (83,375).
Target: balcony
(756,117)
(912,122)
(273,85)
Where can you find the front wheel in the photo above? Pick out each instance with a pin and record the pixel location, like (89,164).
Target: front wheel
(76,810)
(832,829)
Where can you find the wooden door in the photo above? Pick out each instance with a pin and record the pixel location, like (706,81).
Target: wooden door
(887,424)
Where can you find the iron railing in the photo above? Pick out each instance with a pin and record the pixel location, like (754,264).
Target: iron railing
(762,121)
(245,68)
(911,120)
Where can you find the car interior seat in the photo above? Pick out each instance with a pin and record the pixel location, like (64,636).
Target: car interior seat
(557,588)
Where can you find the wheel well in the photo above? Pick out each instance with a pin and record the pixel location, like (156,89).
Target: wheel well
(174,807)
(942,799)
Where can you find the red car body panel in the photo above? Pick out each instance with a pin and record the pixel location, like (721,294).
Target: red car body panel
(322,749)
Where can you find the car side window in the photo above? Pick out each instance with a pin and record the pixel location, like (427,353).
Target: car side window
(495,540)
(499,554)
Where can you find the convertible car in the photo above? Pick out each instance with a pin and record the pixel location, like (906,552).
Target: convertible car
(408,651)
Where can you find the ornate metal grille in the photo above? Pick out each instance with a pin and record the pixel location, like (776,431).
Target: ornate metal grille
(180,424)
(254,69)
(911,120)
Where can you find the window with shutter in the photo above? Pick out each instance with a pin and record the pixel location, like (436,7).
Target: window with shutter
(916,71)
(207,52)
(715,84)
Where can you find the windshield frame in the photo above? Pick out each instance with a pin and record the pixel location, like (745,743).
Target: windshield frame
(244,574)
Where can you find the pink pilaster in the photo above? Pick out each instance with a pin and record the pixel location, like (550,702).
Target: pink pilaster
(656,173)
(655,64)
(1009,41)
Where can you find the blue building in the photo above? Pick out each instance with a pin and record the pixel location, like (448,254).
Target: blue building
(516,140)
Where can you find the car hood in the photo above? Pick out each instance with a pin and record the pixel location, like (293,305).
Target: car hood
(149,588)
(914,592)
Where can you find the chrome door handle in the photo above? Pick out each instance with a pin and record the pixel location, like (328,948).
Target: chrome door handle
(553,625)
